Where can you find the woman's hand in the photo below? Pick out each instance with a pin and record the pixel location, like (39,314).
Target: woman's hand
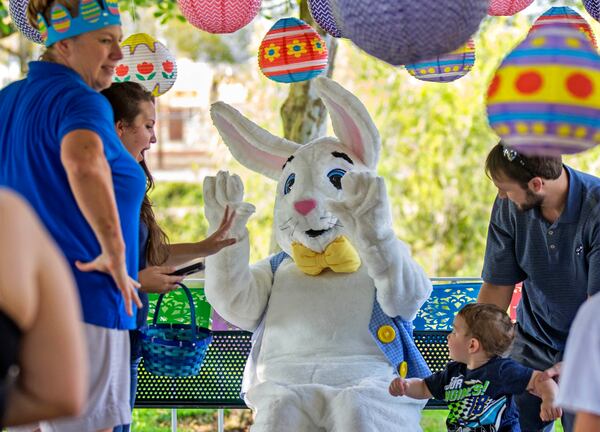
(219,239)
(115,267)
(157,279)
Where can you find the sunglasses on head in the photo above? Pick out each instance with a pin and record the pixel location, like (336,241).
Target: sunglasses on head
(512,155)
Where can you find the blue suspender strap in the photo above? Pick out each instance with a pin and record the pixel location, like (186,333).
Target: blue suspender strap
(394,338)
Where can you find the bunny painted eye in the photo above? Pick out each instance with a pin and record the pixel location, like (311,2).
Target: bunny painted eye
(289,183)
(335,177)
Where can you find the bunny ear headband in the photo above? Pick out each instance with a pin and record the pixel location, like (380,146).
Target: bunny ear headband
(265,153)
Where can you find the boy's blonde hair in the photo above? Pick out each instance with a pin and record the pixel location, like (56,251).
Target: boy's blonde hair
(490,325)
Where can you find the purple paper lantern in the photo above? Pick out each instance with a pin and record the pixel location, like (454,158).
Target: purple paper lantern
(593,8)
(18,13)
(322,13)
(406,31)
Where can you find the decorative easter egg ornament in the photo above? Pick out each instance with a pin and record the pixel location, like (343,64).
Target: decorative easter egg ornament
(292,51)
(18,14)
(593,8)
(219,16)
(507,7)
(447,67)
(407,31)
(322,13)
(564,15)
(545,96)
(147,62)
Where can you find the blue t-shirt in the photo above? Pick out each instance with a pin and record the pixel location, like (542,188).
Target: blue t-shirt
(559,263)
(37,113)
(481,399)
(142,313)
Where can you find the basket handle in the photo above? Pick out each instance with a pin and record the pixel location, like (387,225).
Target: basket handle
(188,293)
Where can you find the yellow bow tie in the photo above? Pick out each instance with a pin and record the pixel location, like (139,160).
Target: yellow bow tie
(339,256)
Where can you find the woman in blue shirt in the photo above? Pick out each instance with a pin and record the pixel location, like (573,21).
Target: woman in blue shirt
(134,118)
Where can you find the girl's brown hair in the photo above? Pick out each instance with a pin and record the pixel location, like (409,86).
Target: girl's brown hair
(490,325)
(125,99)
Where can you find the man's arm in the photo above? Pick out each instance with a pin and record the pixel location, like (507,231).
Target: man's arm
(585,422)
(90,180)
(547,390)
(499,295)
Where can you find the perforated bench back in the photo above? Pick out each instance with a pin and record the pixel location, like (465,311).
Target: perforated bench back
(219,382)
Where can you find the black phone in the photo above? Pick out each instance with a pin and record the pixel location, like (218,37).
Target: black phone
(188,269)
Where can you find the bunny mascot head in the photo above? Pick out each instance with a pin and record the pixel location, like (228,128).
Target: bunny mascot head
(331,313)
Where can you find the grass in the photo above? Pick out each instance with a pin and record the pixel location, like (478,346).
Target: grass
(188,420)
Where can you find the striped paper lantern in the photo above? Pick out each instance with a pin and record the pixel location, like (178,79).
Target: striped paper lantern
(292,51)
(564,15)
(593,8)
(18,14)
(147,62)
(445,68)
(507,7)
(545,96)
(407,31)
(219,16)
(322,13)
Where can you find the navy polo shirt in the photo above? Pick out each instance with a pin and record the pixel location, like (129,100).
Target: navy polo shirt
(37,113)
(558,263)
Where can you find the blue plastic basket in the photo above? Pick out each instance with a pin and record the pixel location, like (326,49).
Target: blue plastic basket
(175,350)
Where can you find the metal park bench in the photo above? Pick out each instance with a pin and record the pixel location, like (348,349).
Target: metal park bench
(219,381)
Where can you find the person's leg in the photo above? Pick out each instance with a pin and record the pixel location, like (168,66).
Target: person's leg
(531,353)
(133,389)
(108,403)
(281,408)
(368,406)
(568,421)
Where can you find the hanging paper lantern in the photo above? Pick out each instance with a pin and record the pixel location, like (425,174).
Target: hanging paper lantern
(593,8)
(545,96)
(567,16)
(292,51)
(507,7)
(447,67)
(18,13)
(147,62)
(323,15)
(219,16)
(406,31)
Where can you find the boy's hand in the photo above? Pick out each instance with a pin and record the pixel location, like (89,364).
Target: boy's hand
(549,411)
(398,387)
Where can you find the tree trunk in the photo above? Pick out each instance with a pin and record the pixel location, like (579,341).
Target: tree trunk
(303,113)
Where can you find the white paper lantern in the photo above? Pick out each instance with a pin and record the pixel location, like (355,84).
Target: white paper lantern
(147,62)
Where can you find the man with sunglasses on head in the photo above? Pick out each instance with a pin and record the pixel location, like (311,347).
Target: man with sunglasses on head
(545,231)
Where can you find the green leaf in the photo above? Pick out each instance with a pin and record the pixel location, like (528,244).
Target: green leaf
(140,77)
(151,76)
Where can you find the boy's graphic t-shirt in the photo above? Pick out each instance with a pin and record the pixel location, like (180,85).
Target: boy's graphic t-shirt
(480,400)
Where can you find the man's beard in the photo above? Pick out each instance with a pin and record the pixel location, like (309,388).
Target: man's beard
(532,201)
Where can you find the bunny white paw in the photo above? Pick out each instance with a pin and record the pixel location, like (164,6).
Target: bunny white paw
(222,191)
(363,209)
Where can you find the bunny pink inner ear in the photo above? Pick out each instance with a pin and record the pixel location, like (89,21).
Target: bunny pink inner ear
(270,165)
(351,136)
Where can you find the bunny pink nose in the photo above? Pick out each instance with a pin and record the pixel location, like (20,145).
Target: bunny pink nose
(304,207)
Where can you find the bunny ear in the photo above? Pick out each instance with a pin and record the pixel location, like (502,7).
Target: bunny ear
(351,121)
(251,145)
